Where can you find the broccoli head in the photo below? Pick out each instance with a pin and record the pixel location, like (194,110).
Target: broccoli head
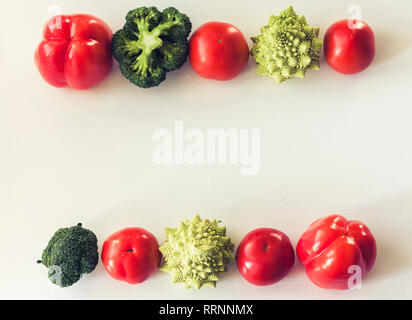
(150,44)
(70,253)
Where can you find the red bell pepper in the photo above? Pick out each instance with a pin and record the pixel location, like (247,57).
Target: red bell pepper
(330,249)
(75,51)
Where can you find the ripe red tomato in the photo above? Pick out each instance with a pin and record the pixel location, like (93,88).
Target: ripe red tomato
(331,245)
(218,50)
(131,255)
(75,51)
(349,46)
(265,256)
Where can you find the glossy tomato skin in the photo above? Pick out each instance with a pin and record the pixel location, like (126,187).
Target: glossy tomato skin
(218,50)
(349,46)
(131,255)
(265,256)
(75,51)
(333,244)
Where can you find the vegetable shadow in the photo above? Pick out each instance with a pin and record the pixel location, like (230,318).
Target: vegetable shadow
(393,254)
(389,47)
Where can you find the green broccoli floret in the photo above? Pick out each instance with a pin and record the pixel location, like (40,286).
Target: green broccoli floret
(70,253)
(150,44)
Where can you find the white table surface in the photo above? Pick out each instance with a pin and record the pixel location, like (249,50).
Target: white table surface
(330,144)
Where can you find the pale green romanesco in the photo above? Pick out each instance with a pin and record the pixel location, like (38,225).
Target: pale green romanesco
(286,47)
(197,252)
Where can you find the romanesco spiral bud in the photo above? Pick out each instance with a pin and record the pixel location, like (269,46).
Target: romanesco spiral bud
(197,252)
(286,47)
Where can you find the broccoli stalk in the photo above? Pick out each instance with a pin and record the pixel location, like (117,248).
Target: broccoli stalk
(70,253)
(150,44)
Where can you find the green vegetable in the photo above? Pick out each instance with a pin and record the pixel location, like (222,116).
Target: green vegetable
(286,47)
(70,253)
(196,252)
(150,44)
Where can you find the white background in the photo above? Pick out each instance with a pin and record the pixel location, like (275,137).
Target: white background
(330,144)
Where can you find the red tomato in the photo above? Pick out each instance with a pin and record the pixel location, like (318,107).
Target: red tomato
(75,51)
(349,46)
(218,50)
(331,245)
(265,256)
(131,255)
